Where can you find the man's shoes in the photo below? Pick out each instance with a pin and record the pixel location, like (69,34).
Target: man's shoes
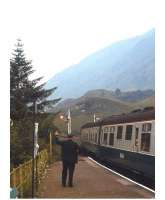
(70,185)
(63,185)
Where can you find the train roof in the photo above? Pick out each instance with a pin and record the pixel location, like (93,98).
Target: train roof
(135,116)
(91,124)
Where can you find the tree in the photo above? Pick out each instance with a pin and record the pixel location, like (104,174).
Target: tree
(23,93)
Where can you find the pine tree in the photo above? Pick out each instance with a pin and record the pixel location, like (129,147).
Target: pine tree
(23,93)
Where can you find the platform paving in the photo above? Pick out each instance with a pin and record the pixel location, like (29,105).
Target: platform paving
(90,181)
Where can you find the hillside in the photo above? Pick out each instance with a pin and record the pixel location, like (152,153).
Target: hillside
(102,103)
(150,101)
(104,98)
(84,110)
(128,65)
(118,95)
(91,105)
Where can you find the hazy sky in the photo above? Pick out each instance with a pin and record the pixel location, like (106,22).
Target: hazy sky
(58,33)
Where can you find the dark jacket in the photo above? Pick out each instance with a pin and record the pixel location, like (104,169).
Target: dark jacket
(69,150)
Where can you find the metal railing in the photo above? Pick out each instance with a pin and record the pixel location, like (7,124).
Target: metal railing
(21,177)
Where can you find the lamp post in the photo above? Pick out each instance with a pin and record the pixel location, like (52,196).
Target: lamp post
(35,147)
(50,146)
(94,118)
(68,120)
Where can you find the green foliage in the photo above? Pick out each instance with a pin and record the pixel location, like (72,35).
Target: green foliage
(21,142)
(46,126)
(24,91)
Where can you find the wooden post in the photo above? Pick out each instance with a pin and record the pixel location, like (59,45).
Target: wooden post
(50,146)
(36,173)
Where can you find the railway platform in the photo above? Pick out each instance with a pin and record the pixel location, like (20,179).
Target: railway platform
(90,181)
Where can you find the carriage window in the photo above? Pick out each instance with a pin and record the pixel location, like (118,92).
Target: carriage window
(128,135)
(90,136)
(119,132)
(101,136)
(112,129)
(111,139)
(145,142)
(96,138)
(146,127)
(105,136)
(106,129)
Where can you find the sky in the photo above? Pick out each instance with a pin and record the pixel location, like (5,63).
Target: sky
(57,34)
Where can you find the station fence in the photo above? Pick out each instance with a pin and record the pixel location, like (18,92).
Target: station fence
(21,177)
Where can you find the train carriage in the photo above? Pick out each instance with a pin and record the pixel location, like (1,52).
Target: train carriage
(126,140)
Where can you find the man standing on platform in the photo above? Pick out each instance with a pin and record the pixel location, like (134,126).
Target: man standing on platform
(69,155)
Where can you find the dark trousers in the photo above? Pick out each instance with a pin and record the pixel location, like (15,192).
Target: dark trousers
(68,166)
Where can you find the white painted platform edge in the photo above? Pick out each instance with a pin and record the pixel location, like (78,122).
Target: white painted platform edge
(122,176)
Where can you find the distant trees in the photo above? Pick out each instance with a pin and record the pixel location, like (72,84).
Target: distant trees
(23,93)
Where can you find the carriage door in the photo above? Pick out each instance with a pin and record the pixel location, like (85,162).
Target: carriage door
(136,139)
(111,139)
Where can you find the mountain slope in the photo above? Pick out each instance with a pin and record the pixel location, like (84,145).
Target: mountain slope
(84,108)
(107,101)
(148,102)
(118,95)
(91,105)
(128,65)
